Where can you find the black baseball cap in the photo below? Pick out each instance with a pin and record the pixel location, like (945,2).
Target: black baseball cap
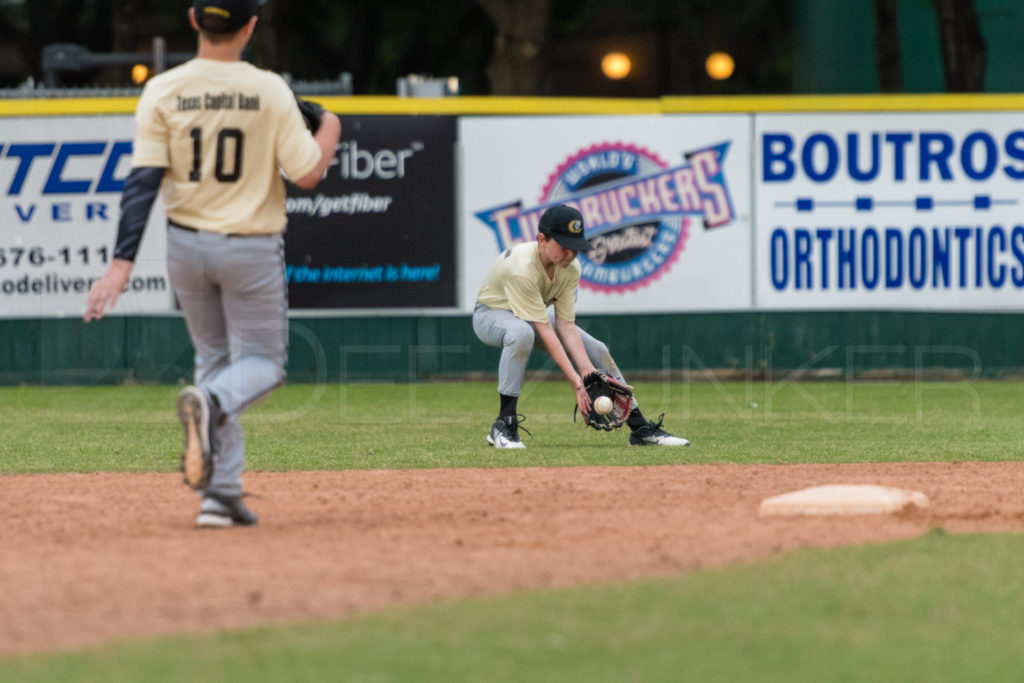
(224,16)
(564,224)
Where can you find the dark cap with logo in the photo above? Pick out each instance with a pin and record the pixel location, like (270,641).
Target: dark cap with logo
(564,224)
(224,16)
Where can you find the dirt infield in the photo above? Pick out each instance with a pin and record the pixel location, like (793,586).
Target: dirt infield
(89,559)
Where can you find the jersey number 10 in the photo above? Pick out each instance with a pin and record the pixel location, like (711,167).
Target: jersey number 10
(219,172)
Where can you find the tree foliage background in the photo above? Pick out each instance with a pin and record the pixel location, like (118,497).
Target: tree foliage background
(547,47)
(502,47)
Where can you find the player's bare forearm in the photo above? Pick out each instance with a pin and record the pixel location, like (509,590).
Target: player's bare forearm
(105,291)
(554,346)
(569,335)
(326,137)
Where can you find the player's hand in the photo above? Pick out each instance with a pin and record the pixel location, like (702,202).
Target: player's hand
(104,292)
(312,114)
(582,396)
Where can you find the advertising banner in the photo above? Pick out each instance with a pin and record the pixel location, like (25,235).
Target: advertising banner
(889,211)
(379,231)
(665,200)
(60,190)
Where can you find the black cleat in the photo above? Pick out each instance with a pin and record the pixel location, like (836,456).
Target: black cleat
(651,434)
(219,512)
(505,433)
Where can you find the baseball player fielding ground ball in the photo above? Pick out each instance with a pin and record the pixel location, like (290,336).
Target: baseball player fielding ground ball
(215,134)
(512,314)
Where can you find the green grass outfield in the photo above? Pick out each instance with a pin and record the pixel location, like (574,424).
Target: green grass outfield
(371,426)
(937,608)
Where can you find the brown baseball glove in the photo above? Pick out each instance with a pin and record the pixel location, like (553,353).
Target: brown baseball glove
(599,384)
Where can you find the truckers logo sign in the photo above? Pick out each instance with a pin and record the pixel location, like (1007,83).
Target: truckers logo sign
(638,209)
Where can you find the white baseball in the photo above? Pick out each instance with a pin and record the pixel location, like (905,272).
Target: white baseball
(603,405)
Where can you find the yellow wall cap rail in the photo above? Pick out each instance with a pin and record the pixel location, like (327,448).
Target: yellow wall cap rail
(585,106)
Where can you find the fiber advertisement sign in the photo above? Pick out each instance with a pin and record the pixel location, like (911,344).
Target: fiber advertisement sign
(61,180)
(665,201)
(379,230)
(890,211)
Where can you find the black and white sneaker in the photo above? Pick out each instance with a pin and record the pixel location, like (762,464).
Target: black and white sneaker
(651,434)
(219,512)
(505,433)
(197,456)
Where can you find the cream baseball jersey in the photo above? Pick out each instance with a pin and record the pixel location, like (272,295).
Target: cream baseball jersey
(214,125)
(517,282)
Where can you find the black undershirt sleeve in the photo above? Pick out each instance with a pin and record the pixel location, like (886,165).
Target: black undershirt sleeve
(139,194)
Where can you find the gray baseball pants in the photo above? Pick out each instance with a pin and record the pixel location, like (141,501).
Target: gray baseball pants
(516,339)
(233,294)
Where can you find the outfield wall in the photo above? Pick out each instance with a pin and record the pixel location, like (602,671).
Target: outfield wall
(811,236)
(694,347)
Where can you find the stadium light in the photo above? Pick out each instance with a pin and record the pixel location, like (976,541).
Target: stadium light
(616,65)
(719,65)
(140,72)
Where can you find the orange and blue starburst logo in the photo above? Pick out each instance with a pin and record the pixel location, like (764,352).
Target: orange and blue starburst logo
(637,208)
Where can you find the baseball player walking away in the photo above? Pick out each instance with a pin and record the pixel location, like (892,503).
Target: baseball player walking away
(215,133)
(511,313)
